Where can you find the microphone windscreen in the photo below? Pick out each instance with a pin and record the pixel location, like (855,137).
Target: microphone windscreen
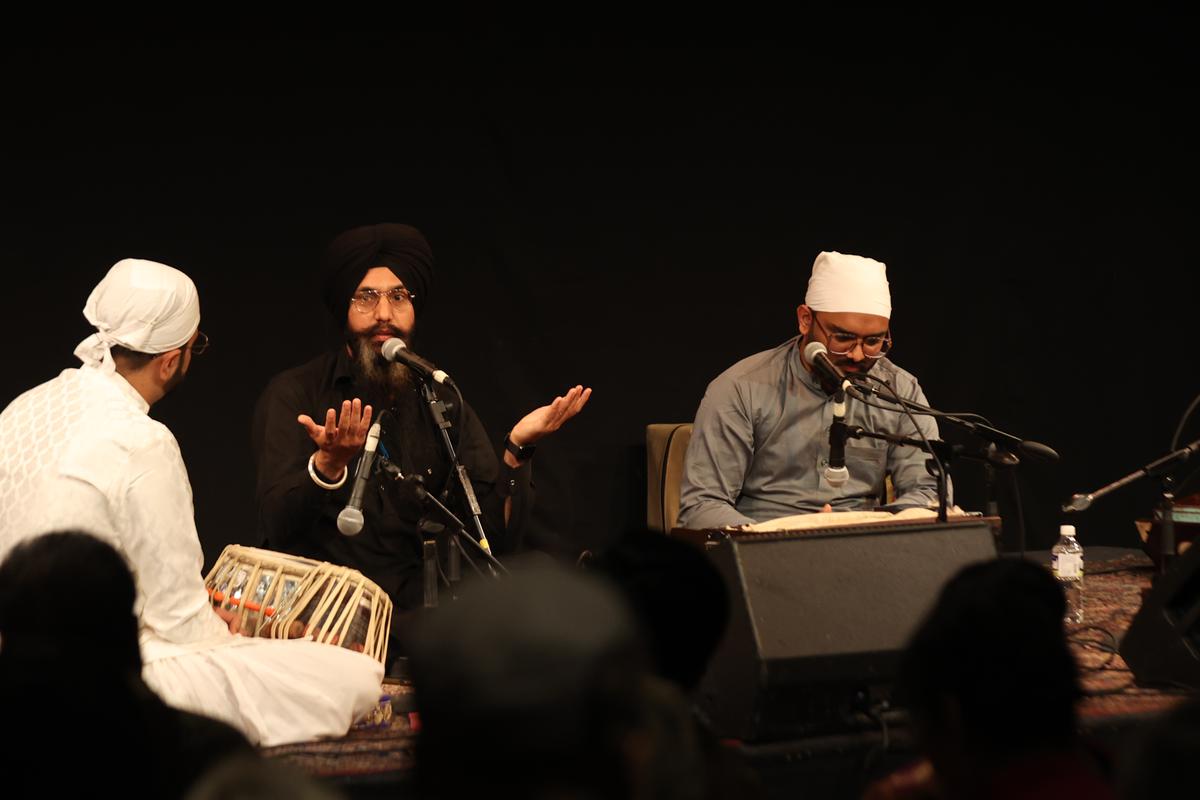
(350,521)
(392,347)
(1038,450)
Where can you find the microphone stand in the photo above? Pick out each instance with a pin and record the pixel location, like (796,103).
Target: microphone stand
(1159,467)
(438,410)
(935,465)
(427,497)
(1001,439)
(859,432)
(998,454)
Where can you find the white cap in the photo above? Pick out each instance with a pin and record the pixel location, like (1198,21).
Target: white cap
(1066,530)
(841,282)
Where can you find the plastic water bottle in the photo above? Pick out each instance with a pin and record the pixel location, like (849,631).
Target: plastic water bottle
(1066,560)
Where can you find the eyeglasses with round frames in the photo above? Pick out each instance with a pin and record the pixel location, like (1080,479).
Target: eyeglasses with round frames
(364,301)
(842,343)
(201,344)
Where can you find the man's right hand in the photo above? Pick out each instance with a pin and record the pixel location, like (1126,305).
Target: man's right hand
(340,438)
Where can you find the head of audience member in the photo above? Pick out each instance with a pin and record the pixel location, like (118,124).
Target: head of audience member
(1160,763)
(67,597)
(847,308)
(374,281)
(677,596)
(69,651)
(147,321)
(530,687)
(988,676)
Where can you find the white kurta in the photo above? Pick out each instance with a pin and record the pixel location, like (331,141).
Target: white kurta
(80,453)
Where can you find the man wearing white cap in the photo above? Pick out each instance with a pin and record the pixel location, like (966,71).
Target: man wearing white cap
(82,454)
(761,437)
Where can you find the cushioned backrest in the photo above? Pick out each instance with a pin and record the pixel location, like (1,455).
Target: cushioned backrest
(666,447)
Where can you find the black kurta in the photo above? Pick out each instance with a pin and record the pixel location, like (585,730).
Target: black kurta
(297,516)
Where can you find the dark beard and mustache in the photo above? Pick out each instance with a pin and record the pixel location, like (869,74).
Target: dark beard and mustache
(381,380)
(855,367)
(408,436)
(848,366)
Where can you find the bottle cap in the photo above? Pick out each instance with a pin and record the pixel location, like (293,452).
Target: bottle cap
(1066,530)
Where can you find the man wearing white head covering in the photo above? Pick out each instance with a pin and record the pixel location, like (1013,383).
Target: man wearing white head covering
(760,442)
(82,454)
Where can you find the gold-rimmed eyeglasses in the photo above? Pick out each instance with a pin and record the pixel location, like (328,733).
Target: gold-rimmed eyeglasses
(842,343)
(364,301)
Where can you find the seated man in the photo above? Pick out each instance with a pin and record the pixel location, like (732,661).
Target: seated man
(761,436)
(377,281)
(84,455)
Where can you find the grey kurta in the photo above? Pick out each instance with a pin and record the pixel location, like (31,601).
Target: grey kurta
(761,441)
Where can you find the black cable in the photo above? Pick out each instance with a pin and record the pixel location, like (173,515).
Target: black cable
(920,411)
(928,412)
(944,478)
(1109,646)
(1179,430)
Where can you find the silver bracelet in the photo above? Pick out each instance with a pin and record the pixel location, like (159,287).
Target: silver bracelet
(312,473)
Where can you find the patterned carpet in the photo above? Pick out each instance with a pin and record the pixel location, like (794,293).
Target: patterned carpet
(378,749)
(1112,595)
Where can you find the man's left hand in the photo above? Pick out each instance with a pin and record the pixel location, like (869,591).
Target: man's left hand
(549,418)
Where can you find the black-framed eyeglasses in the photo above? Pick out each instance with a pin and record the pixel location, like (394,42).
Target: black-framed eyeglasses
(842,343)
(364,301)
(201,344)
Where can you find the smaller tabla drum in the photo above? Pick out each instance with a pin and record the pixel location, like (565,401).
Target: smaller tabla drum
(282,596)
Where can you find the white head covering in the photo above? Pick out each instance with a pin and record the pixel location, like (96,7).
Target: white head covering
(141,305)
(849,283)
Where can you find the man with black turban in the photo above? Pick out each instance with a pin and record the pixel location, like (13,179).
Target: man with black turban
(312,421)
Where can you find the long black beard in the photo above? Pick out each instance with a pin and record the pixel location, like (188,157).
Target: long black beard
(381,381)
(408,434)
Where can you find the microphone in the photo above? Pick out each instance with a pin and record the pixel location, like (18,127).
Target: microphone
(350,520)
(817,354)
(1078,502)
(1038,450)
(396,350)
(836,473)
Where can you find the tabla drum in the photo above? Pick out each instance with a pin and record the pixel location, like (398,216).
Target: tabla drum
(281,596)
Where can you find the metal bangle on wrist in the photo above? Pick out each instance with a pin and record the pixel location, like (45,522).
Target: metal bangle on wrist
(312,473)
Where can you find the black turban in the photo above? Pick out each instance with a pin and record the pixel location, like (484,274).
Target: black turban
(400,248)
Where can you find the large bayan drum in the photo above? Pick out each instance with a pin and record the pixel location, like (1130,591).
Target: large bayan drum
(282,596)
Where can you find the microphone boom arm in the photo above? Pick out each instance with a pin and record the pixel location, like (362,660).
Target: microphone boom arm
(1081,502)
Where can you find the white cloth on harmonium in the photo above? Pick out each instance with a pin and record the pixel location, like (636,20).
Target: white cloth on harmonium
(82,454)
(836,519)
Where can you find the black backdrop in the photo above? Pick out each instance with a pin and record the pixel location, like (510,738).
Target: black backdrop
(637,216)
